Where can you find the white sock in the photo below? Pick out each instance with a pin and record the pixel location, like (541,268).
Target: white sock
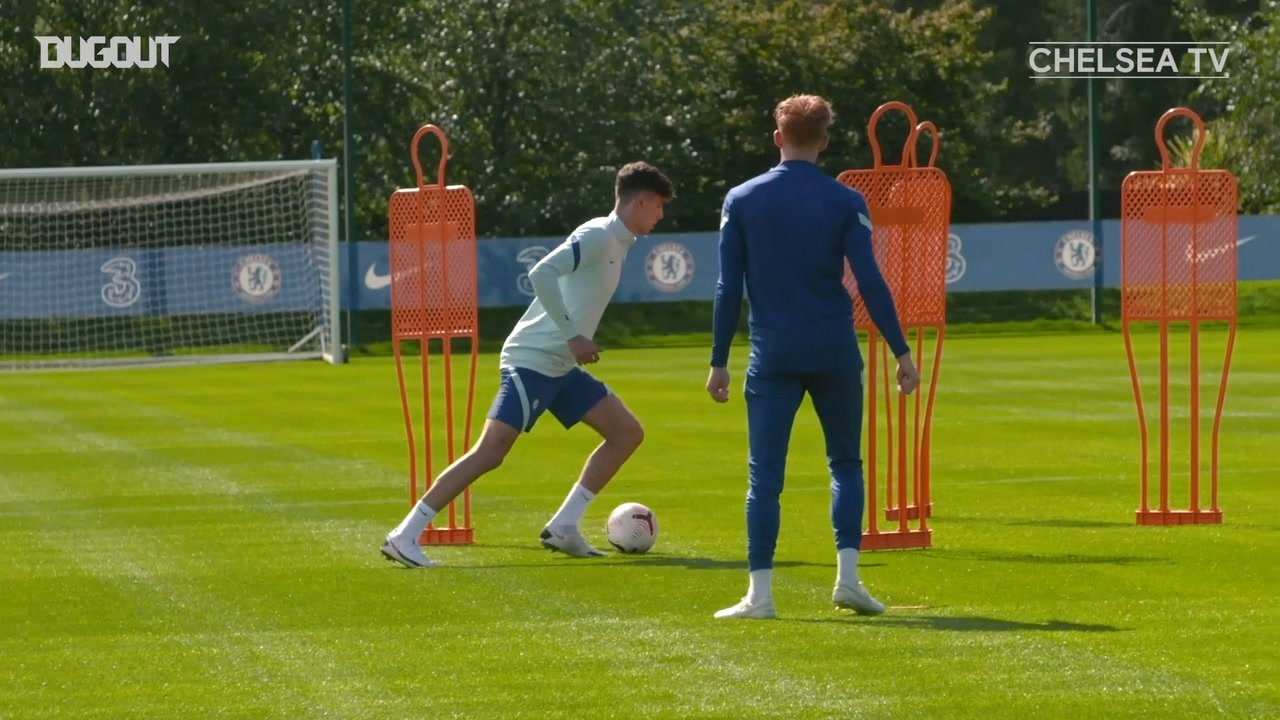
(574,507)
(416,521)
(760,586)
(847,567)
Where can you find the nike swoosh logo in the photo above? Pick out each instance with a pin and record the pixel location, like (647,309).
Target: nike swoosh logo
(1206,255)
(374,281)
(4,275)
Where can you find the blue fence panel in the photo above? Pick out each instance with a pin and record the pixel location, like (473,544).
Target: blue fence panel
(172,281)
(683,266)
(663,267)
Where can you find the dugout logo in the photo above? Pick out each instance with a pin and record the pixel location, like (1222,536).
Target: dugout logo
(1075,254)
(669,267)
(99,51)
(257,278)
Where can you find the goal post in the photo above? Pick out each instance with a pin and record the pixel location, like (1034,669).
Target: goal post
(169,264)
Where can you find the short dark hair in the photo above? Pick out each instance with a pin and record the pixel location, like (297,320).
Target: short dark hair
(640,176)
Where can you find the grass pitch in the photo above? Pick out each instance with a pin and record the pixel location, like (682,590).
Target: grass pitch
(203,542)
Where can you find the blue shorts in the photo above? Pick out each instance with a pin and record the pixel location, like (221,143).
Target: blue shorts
(524,395)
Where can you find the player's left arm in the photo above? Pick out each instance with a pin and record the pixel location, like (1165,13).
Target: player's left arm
(580,250)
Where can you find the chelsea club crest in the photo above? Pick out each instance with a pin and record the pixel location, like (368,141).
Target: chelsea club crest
(669,267)
(257,278)
(1075,254)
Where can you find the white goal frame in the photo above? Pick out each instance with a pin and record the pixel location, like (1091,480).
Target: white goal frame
(324,230)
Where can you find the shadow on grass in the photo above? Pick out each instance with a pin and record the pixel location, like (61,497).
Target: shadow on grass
(958,623)
(1066,523)
(693,563)
(1052,523)
(701,563)
(616,559)
(1047,558)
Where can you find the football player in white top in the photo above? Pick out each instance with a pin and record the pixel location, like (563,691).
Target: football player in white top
(540,369)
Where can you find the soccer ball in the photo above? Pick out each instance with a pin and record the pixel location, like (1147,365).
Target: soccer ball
(632,528)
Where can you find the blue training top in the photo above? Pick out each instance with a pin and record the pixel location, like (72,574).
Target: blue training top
(788,232)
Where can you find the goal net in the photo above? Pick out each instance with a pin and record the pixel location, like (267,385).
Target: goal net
(168,264)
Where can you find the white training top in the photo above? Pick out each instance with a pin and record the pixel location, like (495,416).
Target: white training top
(573,284)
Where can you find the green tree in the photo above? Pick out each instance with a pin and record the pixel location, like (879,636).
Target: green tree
(543,100)
(233,90)
(560,94)
(1243,110)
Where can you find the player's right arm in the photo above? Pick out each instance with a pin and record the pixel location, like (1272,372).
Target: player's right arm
(580,250)
(875,291)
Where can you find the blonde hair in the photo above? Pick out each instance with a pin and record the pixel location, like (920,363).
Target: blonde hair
(804,119)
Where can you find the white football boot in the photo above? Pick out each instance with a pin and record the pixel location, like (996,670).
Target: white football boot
(751,611)
(857,599)
(568,540)
(406,552)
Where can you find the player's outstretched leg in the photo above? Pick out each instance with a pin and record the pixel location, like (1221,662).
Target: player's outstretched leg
(772,402)
(589,400)
(837,398)
(401,544)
